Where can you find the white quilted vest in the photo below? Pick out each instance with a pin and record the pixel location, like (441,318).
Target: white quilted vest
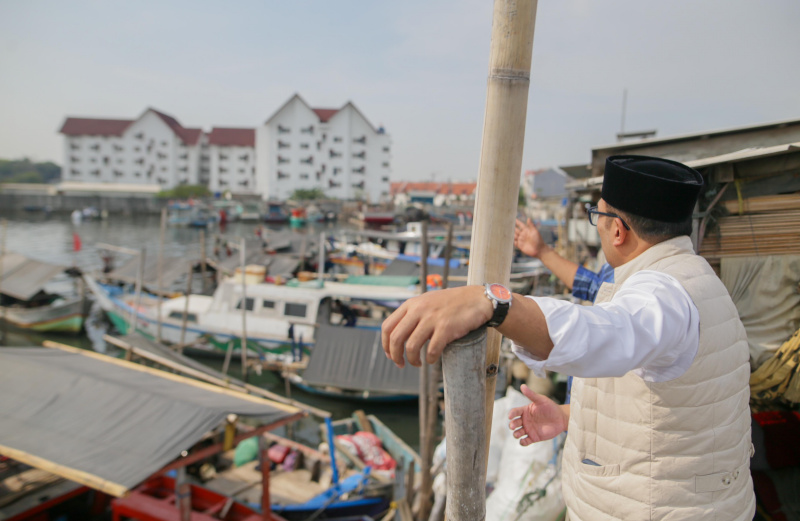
(675,450)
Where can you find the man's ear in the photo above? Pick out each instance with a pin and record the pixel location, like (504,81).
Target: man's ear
(619,232)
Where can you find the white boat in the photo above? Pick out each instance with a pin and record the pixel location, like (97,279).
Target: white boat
(215,323)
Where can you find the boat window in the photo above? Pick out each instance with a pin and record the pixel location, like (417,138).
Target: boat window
(293,309)
(249,303)
(268,304)
(178,315)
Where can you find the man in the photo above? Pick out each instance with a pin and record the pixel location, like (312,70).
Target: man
(659,425)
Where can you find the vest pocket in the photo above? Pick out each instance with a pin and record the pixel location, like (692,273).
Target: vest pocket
(590,468)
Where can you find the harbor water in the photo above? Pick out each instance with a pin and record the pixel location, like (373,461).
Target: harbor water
(56,239)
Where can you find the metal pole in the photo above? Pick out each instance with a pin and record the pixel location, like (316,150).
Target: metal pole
(491,249)
(161,269)
(244,308)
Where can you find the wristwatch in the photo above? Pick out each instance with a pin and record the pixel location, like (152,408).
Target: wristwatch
(500,297)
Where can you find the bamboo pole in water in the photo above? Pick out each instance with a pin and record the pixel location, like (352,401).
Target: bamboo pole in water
(491,249)
(242,258)
(138,298)
(162,233)
(424,504)
(185,318)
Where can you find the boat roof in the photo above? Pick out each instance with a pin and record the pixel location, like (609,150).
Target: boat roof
(352,358)
(22,277)
(314,291)
(107,423)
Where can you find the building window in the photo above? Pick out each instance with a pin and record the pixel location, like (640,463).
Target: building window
(282,160)
(309,160)
(95,147)
(362,140)
(359,170)
(106,160)
(337,139)
(282,144)
(163,143)
(333,154)
(184,156)
(282,175)
(308,130)
(283,130)
(292,309)
(385,149)
(244,157)
(75,159)
(385,179)
(304,146)
(361,155)
(303,176)
(385,164)
(249,303)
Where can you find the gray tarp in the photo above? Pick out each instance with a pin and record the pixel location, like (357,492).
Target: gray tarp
(173,269)
(114,421)
(765,291)
(352,358)
(22,278)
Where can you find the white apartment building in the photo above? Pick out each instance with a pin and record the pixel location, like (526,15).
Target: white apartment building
(231,157)
(336,150)
(152,149)
(298,147)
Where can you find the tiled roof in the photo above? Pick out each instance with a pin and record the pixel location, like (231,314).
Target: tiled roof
(325,114)
(232,137)
(188,135)
(439,188)
(94,127)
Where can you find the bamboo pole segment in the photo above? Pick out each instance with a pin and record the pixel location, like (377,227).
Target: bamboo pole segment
(138,298)
(185,318)
(491,250)
(321,258)
(2,255)
(162,233)
(426,449)
(244,308)
(203,261)
(465,378)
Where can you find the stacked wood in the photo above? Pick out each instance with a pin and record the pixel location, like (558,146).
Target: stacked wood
(776,233)
(764,204)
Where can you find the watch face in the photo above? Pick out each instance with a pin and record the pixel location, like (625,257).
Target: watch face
(500,292)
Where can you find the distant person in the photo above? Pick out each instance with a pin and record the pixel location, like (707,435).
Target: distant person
(349,316)
(583,282)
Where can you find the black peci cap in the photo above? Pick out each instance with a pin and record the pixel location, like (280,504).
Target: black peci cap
(651,187)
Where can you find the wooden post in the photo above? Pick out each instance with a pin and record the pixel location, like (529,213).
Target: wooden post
(424,446)
(138,299)
(183,495)
(161,269)
(244,308)
(266,507)
(2,255)
(465,378)
(321,257)
(490,253)
(185,318)
(203,261)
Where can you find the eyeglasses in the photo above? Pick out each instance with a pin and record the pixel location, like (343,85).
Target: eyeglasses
(594,212)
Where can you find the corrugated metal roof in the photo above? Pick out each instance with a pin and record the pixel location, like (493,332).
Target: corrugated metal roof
(107,423)
(744,155)
(26,278)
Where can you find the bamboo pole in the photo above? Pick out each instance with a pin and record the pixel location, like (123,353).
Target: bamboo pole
(2,256)
(203,261)
(464,377)
(491,250)
(242,257)
(138,298)
(185,318)
(163,232)
(423,503)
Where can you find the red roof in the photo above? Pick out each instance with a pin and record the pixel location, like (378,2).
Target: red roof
(325,114)
(94,127)
(188,135)
(439,188)
(232,137)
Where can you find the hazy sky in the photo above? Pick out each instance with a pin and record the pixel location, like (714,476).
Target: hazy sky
(417,67)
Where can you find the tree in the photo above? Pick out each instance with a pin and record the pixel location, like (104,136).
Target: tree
(184,192)
(303,194)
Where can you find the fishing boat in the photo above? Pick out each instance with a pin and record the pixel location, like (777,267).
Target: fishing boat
(298,216)
(28,302)
(276,213)
(276,317)
(251,212)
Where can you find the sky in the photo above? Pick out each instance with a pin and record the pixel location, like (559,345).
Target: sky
(416,67)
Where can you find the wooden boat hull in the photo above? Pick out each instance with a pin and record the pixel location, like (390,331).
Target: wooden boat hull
(64,316)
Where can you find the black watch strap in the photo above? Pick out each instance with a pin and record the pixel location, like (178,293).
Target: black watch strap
(500,312)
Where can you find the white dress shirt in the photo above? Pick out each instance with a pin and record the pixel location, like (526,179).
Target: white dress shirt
(650,327)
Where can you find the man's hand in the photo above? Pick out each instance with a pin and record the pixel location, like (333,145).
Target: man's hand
(542,419)
(528,239)
(439,316)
